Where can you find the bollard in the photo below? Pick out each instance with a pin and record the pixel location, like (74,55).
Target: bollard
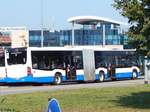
(147,70)
(53,105)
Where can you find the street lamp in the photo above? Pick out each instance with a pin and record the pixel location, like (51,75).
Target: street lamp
(42,35)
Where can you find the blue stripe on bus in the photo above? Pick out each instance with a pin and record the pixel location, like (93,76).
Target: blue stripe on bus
(123,75)
(80,78)
(51,79)
(2,80)
(23,79)
(118,75)
(43,79)
(46,79)
(15,80)
(35,79)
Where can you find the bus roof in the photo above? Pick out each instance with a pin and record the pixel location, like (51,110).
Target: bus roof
(76,48)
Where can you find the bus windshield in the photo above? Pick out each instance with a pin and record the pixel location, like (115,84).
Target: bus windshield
(16,56)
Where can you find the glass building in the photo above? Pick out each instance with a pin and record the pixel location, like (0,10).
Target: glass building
(50,38)
(94,31)
(83,36)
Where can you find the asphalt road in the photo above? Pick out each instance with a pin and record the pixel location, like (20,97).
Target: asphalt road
(4,90)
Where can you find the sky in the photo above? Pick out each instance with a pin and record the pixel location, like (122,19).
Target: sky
(55,12)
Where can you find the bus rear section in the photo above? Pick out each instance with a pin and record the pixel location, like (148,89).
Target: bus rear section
(116,65)
(16,65)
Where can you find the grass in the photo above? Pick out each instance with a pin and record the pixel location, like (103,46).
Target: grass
(117,99)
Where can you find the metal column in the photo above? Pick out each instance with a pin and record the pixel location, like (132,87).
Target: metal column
(147,70)
(104,35)
(42,37)
(72,33)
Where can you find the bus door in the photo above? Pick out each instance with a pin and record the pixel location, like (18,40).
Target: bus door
(111,68)
(70,67)
(89,65)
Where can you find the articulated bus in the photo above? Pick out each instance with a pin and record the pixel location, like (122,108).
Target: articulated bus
(60,64)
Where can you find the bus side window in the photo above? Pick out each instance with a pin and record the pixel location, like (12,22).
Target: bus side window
(78,63)
(52,65)
(2,62)
(34,62)
(42,64)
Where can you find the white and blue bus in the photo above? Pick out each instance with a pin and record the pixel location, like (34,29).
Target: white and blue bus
(60,64)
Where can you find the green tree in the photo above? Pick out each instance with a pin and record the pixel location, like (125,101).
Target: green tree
(138,14)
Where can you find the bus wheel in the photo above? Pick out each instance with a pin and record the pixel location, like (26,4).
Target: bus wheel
(101,76)
(134,74)
(57,79)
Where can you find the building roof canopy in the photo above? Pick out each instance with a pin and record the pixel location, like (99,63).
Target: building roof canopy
(92,20)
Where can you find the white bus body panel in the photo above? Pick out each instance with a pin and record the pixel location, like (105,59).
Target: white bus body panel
(80,72)
(17,71)
(2,72)
(127,70)
(47,73)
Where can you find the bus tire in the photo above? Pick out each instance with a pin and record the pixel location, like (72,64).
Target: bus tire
(101,76)
(134,74)
(57,79)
